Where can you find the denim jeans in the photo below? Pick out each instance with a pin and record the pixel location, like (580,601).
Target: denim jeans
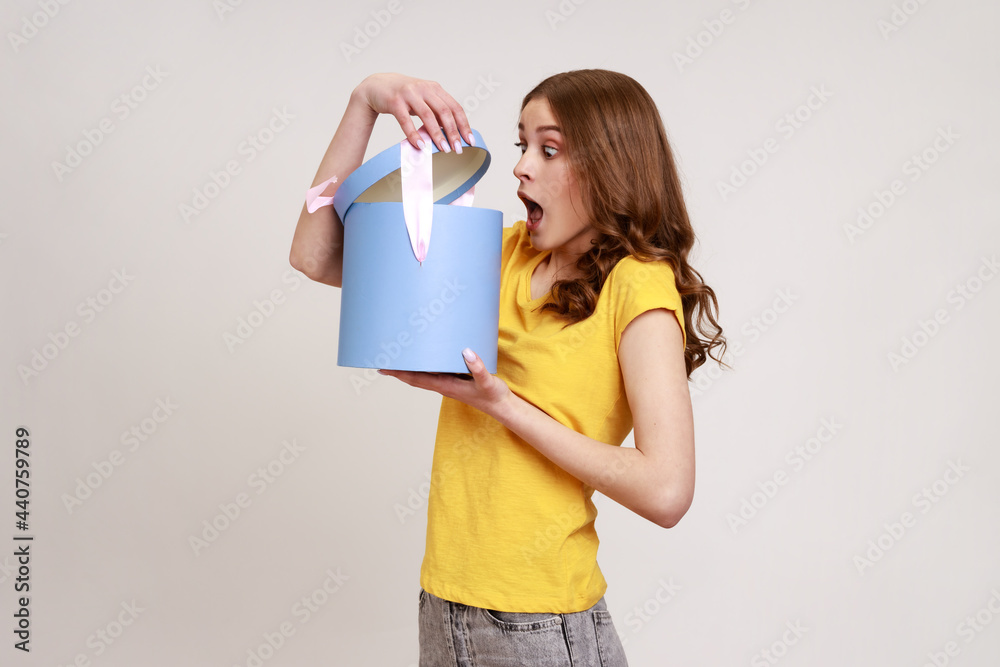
(457,635)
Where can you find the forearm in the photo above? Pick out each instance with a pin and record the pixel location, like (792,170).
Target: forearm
(651,489)
(318,244)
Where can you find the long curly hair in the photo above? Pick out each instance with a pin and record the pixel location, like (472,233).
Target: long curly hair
(618,152)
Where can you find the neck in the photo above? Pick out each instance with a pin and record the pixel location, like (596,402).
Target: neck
(561,264)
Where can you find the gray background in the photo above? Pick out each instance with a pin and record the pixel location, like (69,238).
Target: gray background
(364,442)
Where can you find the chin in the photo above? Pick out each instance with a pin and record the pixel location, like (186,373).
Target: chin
(538,241)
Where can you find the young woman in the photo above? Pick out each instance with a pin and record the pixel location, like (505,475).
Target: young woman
(597,337)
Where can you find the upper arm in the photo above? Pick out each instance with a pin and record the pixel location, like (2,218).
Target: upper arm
(651,356)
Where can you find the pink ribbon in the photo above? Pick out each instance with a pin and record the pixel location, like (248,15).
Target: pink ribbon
(314,201)
(417,184)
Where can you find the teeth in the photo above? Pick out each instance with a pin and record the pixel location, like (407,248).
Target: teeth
(533,208)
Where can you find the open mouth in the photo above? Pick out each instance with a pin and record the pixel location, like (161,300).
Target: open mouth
(534,210)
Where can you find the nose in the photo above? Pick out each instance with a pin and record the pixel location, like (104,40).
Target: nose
(524,168)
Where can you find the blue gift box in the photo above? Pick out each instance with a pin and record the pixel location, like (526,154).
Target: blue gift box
(403,314)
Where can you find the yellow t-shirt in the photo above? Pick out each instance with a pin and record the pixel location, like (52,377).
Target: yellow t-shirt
(507,529)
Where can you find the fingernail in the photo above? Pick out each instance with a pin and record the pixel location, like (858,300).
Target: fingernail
(469,355)
(420,144)
(381,372)
(446,147)
(472,139)
(458,147)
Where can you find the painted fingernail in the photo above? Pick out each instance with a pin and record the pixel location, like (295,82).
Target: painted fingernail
(446,147)
(472,139)
(420,144)
(381,372)
(458,146)
(469,355)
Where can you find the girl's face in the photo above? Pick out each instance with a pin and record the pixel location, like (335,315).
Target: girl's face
(557,217)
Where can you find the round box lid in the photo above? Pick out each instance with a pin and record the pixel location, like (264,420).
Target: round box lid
(379,180)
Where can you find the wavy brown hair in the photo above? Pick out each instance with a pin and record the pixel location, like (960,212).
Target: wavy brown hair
(619,154)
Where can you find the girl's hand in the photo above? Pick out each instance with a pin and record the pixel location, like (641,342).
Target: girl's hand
(484,392)
(404,96)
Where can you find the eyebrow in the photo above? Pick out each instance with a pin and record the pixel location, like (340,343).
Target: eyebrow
(542,128)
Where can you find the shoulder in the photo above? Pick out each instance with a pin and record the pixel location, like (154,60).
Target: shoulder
(634,287)
(632,277)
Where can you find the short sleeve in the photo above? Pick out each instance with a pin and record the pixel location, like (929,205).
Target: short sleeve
(640,286)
